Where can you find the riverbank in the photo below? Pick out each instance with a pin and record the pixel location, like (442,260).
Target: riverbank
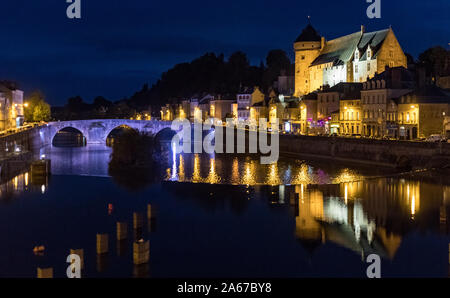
(385,153)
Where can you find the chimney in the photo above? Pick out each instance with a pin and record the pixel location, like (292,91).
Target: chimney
(322,42)
(363,30)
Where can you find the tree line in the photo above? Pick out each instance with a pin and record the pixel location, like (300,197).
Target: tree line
(212,73)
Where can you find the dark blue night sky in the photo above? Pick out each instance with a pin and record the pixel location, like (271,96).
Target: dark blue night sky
(118,45)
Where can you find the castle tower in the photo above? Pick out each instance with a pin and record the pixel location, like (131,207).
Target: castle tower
(307,47)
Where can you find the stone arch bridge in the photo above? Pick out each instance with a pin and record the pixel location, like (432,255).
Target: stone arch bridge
(96,131)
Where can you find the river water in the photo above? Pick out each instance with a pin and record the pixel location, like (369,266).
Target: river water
(225,216)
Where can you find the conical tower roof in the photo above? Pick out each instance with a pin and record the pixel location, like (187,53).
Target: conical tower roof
(308,34)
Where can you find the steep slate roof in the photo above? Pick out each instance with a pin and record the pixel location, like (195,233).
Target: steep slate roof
(340,50)
(308,34)
(374,40)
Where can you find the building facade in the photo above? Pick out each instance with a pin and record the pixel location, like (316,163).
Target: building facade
(11,106)
(378,107)
(351,58)
(422,112)
(328,103)
(350,117)
(245,99)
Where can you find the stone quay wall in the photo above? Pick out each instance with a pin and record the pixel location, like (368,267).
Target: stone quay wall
(402,154)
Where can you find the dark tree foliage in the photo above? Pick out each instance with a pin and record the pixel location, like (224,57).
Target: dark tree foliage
(436,61)
(211,73)
(101,108)
(278,63)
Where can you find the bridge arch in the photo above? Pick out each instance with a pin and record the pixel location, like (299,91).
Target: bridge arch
(55,132)
(110,131)
(165,134)
(61,140)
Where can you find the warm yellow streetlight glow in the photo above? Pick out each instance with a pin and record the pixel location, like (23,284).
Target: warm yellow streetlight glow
(25,105)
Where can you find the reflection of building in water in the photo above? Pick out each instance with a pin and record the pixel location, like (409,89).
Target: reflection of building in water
(19,184)
(371,215)
(326,215)
(308,226)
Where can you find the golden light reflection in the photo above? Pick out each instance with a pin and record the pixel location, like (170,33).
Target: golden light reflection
(212,178)
(235,171)
(249,175)
(409,193)
(302,176)
(196,177)
(272,176)
(26,179)
(346,193)
(346,175)
(181,174)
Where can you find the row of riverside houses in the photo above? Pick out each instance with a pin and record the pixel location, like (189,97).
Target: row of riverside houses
(356,85)
(11,106)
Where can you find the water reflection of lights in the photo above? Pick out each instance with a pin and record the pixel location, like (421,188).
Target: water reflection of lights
(303,175)
(43,188)
(196,177)
(272,175)
(409,193)
(181,169)
(346,193)
(212,178)
(248,177)
(248,171)
(235,171)
(347,175)
(174,162)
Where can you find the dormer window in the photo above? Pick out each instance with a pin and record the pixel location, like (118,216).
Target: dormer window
(369,53)
(356,55)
